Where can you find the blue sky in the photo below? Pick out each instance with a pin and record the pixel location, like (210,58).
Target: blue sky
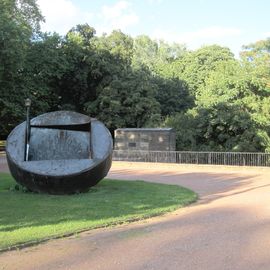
(230,23)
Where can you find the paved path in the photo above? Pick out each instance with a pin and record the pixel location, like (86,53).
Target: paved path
(3,164)
(228,228)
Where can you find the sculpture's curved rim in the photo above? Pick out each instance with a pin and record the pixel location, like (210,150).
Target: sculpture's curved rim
(87,172)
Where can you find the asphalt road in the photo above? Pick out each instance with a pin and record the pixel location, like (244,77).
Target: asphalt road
(228,228)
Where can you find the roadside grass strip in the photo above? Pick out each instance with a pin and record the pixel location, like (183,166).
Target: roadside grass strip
(27,218)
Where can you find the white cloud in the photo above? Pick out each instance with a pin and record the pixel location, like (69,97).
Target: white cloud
(114,11)
(266,35)
(117,16)
(214,32)
(228,37)
(61,15)
(154,2)
(204,35)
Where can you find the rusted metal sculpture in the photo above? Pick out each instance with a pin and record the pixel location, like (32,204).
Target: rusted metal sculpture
(59,152)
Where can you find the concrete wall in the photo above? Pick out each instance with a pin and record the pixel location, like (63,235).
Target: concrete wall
(147,139)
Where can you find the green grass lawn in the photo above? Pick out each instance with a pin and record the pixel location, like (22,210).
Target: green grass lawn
(30,217)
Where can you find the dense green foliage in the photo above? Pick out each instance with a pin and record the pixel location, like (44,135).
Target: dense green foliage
(109,203)
(214,101)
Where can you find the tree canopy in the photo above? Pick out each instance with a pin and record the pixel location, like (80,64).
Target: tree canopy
(213,100)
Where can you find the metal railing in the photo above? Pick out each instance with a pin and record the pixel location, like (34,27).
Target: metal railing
(185,157)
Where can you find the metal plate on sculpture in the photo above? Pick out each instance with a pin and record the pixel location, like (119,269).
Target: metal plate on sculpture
(67,152)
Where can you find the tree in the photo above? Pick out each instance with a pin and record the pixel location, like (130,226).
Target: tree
(223,127)
(145,53)
(119,45)
(256,58)
(44,66)
(195,66)
(232,83)
(157,56)
(231,113)
(82,34)
(19,25)
(172,95)
(128,100)
(75,86)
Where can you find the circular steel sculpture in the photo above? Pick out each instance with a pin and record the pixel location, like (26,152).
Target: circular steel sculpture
(60,152)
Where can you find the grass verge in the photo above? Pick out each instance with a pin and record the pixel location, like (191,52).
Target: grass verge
(30,217)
